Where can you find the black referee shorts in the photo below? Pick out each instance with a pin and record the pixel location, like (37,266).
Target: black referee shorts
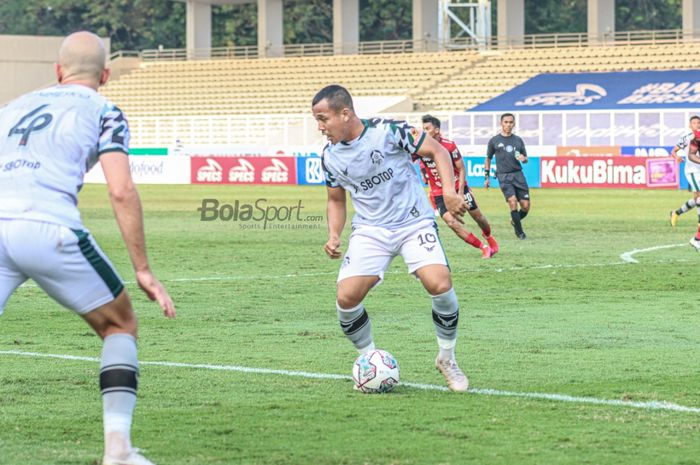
(514,184)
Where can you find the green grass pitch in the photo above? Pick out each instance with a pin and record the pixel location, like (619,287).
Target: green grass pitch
(559,313)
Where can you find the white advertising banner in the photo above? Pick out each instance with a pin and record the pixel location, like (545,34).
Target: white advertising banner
(150,170)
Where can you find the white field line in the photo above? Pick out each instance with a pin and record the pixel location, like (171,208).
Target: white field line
(471,270)
(627,257)
(646,405)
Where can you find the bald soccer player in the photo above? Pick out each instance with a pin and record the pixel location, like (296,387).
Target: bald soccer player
(48,140)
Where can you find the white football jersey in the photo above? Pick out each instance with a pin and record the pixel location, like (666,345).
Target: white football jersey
(377,170)
(49,139)
(683,143)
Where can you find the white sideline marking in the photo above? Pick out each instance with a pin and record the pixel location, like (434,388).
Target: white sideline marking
(471,270)
(646,405)
(627,256)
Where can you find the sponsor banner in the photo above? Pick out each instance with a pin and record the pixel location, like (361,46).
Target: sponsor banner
(150,170)
(249,151)
(662,172)
(684,184)
(239,170)
(475,171)
(607,172)
(601,91)
(150,151)
(594,151)
(309,171)
(646,151)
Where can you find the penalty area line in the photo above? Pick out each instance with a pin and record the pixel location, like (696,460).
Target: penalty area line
(628,257)
(645,405)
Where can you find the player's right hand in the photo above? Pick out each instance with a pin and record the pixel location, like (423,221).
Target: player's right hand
(156,291)
(487,183)
(332,248)
(456,205)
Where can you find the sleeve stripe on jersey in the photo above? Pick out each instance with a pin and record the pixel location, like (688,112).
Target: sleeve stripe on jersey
(112,149)
(420,141)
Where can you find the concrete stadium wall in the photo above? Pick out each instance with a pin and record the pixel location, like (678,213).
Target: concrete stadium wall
(26,63)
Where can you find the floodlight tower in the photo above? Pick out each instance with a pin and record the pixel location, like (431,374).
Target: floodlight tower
(465,23)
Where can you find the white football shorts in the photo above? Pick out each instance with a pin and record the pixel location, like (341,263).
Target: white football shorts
(371,249)
(693,178)
(66,263)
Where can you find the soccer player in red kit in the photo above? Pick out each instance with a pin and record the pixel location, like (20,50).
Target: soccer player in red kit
(431,126)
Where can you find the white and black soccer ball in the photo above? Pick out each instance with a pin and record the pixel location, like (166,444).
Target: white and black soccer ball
(375,372)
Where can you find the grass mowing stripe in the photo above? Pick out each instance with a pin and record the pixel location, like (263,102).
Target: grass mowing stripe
(646,405)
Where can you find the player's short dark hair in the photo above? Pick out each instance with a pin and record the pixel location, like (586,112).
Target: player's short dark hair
(694,117)
(338,98)
(505,115)
(430,119)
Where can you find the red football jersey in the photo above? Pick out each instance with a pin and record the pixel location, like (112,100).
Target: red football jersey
(431,169)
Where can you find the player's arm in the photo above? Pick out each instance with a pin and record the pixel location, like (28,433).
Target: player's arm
(430,148)
(336,210)
(459,163)
(129,215)
(674,153)
(694,157)
(490,151)
(423,172)
(523,153)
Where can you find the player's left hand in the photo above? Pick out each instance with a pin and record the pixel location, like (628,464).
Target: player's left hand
(456,205)
(156,291)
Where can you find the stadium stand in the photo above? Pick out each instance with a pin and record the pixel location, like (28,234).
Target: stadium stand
(444,81)
(500,71)
(273,86)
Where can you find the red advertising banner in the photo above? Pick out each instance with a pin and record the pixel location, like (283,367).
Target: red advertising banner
(609,172)
(240,170)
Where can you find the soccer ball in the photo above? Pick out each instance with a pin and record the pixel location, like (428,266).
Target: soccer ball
(375,372)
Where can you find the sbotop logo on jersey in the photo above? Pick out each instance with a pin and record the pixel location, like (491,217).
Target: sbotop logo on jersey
(20,163)
(211,172)
(243,173)
(276,173)
(583,95)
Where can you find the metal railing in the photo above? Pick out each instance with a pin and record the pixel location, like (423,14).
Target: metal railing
(673,36)
(287,50)
(637,128)
(124,54)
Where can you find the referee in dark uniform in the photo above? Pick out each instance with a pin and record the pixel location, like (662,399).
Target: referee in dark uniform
(510,154)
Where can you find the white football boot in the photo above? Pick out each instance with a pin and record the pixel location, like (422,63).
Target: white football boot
(456,379)
(133,458)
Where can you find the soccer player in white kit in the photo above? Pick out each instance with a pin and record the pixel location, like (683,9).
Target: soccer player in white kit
(48,140)
(371,159)
(688,144)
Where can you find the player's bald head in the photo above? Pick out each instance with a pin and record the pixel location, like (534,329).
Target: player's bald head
(82,56)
